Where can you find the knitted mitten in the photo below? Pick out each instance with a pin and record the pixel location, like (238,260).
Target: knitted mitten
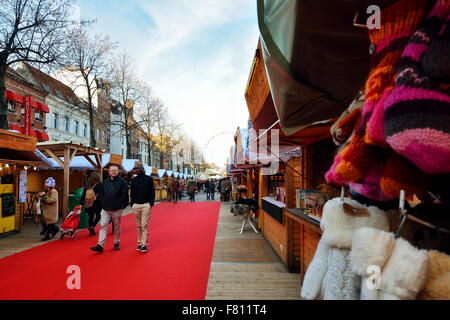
(400,174)
(417,113)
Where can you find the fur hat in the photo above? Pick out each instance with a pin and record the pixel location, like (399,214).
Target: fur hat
(50,182)
(338,227)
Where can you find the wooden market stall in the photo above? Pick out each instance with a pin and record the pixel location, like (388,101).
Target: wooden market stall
(302,160)
(63,153)
(18,157)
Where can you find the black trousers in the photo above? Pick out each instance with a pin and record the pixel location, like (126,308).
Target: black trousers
(94,216)
(51,228)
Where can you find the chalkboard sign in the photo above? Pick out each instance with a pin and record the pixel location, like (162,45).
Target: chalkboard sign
(8,204)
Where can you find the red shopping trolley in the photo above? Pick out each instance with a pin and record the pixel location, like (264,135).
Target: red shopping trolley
(70,225)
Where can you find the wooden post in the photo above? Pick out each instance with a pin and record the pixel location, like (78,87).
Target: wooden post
(65,206)
(100,166)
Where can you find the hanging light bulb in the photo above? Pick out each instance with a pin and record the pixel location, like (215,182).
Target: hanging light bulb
(34,168)
(7,165)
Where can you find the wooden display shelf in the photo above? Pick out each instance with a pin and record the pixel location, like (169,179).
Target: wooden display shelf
(302,248)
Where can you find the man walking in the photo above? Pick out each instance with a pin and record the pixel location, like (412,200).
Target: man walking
(175,190)
(212,189)
(142,200)
(191,190)
(114,200)
(207,189)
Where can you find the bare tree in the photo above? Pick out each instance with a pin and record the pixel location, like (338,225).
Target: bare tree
(31,31)
(166,139)
(129,91)
(85,63)
(146,114)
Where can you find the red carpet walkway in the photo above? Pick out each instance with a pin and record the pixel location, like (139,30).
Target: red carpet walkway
(176,266)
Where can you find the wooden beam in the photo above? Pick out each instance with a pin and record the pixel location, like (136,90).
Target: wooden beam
(89,159)
(56,158)
(73,154)
(66,183)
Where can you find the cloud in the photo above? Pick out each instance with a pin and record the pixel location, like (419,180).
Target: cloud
(196,56)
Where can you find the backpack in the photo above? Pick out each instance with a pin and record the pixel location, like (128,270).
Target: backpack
(89,198)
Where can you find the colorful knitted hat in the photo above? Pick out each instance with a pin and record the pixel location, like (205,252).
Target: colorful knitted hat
(398,23)
(417,113)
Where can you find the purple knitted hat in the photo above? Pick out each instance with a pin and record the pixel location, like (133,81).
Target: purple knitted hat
(417,113)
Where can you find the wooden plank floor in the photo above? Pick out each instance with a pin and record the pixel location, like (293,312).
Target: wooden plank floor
(245,267)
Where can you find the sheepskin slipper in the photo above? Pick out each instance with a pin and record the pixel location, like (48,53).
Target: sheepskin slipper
(339,227)
(370,247)
(437,286)
(405,272)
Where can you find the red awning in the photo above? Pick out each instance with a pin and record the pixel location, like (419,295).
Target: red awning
(42,107)
(15,127)
(41,135)
(13,96)
(33,103)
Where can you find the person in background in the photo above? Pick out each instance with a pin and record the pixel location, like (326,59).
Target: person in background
(199,186)
(169,189)
(219,189)
(181,189)
(227,189)
(212,189)
(191,190)
(207,189)
(49,207)
(175,190)
(92,206)
(142,196)
(114,200)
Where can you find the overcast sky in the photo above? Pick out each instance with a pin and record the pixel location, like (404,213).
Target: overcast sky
(196,56)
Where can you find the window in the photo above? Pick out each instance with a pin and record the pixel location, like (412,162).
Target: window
(39,115)
(77,124)
(66,124)
(11,106)
(85,133)
(55,120)
(98,135)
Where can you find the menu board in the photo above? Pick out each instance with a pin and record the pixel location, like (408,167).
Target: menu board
(23,187)
(8,205)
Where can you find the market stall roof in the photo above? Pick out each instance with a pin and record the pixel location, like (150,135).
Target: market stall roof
(316,60)
(16,148)
(128,164)
(63,154)
(162,173)
(77,163)
(151,171)
(170,173)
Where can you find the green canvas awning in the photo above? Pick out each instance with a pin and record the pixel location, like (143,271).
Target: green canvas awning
(316,59)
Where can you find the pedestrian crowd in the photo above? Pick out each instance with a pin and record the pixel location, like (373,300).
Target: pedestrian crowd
(105,201)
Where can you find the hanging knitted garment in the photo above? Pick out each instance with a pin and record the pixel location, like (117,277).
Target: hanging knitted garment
(417,113)
(398,22)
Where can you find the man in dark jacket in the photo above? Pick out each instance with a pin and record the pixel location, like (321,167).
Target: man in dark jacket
(142,200)
(114,200)
(207,189)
